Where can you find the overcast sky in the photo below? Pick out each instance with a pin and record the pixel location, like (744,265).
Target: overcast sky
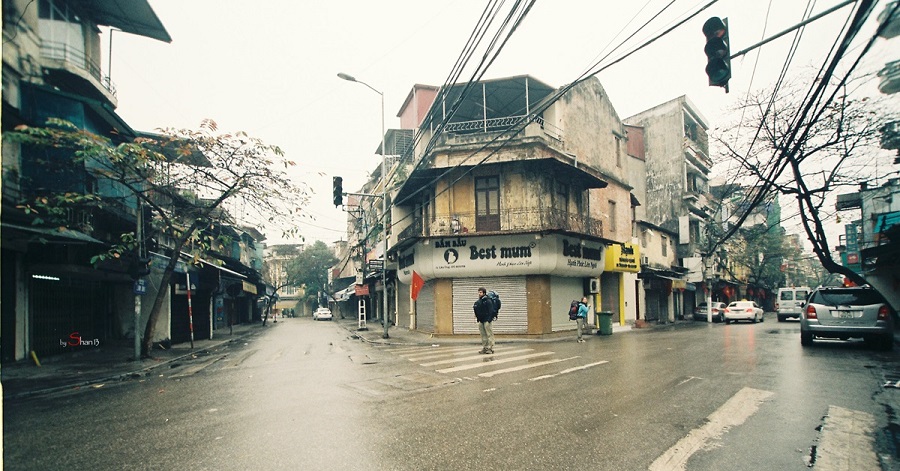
(270,67)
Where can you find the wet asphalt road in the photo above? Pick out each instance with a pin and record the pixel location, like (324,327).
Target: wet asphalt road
(306,395)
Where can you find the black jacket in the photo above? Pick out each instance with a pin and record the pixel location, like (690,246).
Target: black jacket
(484,309)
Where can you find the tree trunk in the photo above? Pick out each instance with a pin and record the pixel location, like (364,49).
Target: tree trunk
(150,328)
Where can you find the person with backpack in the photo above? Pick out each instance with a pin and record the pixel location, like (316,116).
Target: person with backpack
(485,314)
(581,317)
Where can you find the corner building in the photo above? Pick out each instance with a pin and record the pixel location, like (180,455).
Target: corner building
(522,190)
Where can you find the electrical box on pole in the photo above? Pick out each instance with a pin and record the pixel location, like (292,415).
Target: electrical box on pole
(718,52)
(338,191)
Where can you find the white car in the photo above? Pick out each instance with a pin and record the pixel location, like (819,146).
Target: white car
(743,311)
(322,313)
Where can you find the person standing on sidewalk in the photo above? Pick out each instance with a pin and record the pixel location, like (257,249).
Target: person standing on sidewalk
(581,317)
(484,314)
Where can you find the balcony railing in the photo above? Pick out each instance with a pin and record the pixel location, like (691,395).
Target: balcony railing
(513,220)
(502,124)
(76,58)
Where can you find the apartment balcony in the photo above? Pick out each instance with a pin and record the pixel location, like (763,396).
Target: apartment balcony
(510,131)
(70,70)
(511,221)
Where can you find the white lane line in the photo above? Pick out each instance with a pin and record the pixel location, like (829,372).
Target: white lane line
(488,374)
(846,441)
(734,412)
(475,357)
(492,362)
(568,370)
(414,350)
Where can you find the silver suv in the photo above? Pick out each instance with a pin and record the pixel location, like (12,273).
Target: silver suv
(843,313)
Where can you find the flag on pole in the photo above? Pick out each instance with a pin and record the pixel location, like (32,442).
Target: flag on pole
(417,283)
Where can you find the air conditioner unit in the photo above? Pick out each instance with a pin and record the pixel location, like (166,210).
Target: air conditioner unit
(593,285)
(645,260)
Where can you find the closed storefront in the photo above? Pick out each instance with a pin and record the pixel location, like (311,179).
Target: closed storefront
(68,314)
(513,317)
(425,308)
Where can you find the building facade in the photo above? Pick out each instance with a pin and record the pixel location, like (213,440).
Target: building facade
(676,154)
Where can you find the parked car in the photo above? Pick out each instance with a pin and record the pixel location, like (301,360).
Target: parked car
(844,313)
(789,302)
(743,311)
(322,313)
(718,312)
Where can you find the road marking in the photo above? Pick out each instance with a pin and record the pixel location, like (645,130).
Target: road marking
(524,367)
(846,441)
(492,362)
(568,370)
(734,412)
(479,356)
(440,354)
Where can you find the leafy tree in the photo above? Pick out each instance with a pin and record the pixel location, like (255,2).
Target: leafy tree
(189,179)
(310,270)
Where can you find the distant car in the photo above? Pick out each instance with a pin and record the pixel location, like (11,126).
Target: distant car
(718,312)
(789,302)
(743,311)
(844,313)
(322,313)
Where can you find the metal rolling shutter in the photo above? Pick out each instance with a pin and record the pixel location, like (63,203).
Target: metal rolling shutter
(513,318)
(425,309)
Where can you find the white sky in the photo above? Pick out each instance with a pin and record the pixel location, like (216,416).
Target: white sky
(270,68)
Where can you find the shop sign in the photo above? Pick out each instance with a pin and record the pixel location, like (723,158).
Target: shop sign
(521,254)
(623,258)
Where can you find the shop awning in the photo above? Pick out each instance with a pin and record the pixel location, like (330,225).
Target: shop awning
(344,294)
(66,236)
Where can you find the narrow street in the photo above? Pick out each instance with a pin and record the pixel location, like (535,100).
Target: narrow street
(308,395)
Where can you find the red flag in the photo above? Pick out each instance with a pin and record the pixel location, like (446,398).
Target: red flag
(417,283)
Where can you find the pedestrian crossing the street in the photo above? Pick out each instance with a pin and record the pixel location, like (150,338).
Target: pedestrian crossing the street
(504,360)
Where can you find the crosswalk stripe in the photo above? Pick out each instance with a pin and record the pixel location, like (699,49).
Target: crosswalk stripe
(417,348)
(734,412)
(489,374)
(568,370)
(475,357)
(442,353)
(492,363)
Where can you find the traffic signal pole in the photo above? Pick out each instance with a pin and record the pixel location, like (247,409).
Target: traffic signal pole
(793,28)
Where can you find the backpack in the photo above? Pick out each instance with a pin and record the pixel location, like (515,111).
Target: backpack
(495,301)
(573,311)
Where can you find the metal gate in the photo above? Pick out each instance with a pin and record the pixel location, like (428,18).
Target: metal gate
(425,309)
(67,314)
(513,317)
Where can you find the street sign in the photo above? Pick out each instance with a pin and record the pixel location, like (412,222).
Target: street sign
(140,287)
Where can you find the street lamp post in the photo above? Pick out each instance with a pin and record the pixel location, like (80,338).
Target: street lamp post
(384,183)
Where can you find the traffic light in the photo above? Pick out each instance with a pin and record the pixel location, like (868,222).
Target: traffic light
(718,53)
(338,191)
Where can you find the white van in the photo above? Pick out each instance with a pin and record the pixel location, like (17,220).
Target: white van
(789,301)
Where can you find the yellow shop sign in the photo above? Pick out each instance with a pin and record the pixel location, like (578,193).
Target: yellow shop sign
(623,258)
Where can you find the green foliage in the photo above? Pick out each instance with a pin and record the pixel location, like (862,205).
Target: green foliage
(310,268)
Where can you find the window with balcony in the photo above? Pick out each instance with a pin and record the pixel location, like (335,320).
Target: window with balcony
(487,203)
(695,231)
(61,30)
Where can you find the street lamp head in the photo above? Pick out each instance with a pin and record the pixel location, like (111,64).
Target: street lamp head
(344,76)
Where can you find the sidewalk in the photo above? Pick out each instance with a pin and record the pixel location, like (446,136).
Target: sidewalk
(102,364)
(93,366)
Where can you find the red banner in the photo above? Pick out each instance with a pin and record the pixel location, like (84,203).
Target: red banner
(417,283)
(362,290)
